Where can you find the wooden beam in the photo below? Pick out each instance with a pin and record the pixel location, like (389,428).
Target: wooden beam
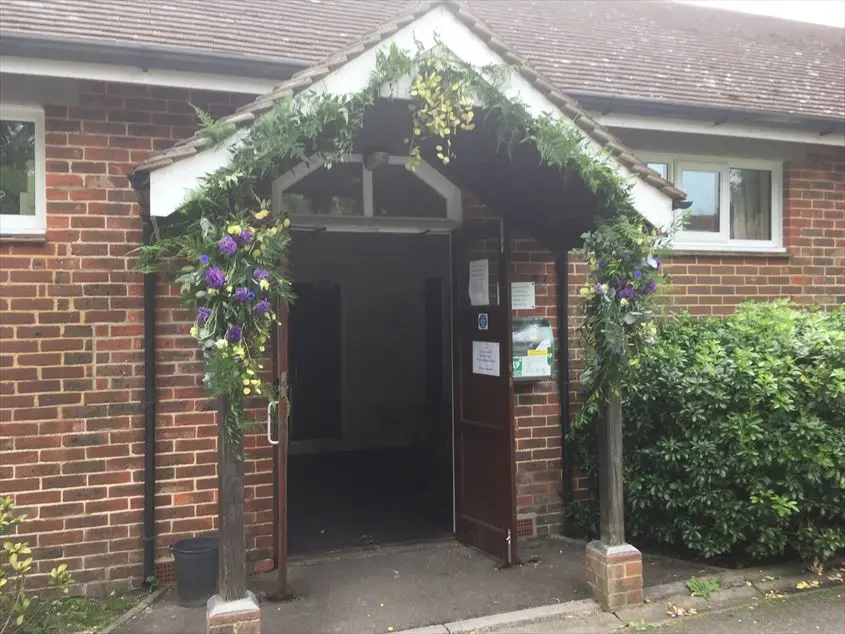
(610,474)
(230,474)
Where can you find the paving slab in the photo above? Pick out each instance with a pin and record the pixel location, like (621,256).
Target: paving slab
(404,587)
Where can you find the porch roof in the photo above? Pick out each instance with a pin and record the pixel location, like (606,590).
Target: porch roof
(197,155)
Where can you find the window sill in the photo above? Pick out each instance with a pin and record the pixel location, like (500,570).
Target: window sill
(23,238)
(728,249)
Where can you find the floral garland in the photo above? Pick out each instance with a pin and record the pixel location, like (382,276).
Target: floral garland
(233,280)
(236,255)
(625,271)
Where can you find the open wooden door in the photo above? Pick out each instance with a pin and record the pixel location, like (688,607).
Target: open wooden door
(485,477)
(279,421)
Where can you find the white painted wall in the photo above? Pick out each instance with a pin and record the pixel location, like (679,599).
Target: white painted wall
(382,280)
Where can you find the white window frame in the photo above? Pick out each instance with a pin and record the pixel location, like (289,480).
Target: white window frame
(29,225)
(721,240)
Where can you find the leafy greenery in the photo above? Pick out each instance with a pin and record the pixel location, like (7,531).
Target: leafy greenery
(734,435)
(295,127)
(67,615)
(702,587)
(623,256)
(17,608)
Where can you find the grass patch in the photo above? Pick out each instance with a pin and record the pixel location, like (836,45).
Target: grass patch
(71,615)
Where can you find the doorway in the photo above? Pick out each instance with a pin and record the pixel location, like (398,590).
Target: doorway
(369,357)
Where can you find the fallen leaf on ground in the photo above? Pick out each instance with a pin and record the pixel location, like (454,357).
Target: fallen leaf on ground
(803,585)
(676,610)
(772,594)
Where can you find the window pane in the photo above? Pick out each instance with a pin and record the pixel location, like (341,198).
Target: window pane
(17,168)
(333,192)
(660,168)
(398,193)
(702,188)
(751,204)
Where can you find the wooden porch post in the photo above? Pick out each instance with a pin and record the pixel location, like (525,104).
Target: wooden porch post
(612,524)
(234,610)
(614,568)
(230,478)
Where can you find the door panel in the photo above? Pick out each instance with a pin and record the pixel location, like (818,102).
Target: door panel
(485,492)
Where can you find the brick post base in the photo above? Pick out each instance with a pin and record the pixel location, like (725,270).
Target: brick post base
(615,575)
(233,617)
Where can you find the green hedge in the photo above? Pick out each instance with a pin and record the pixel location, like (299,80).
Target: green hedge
(735,435)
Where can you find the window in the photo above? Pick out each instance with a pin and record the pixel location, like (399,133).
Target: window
(386,197)
(736,203)
(22,166)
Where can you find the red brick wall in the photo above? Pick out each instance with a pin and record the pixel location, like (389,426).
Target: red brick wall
(71,359)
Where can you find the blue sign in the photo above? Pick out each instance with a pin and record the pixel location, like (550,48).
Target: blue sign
(482,321)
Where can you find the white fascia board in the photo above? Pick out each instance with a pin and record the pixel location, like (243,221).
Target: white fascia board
(134,75)
(664,124)
(170,185)
(438,27)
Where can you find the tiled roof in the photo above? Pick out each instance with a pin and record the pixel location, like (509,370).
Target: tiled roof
(658,51)
(306,78)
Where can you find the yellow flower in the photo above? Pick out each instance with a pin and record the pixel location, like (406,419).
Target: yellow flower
(246,381)
(264,284)
(195,331)
(260,367)
(212,291)
(261,215)
(238,350)
(262,349)
(221,343)
(286,223)
(623,302)
(234,229)
(257,391)
(585,291)
(229,290)
(250,372)
(247,391)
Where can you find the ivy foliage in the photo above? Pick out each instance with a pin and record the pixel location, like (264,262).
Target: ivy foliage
(734,435)
(300,126)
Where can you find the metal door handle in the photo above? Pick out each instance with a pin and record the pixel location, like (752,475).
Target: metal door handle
(270,423)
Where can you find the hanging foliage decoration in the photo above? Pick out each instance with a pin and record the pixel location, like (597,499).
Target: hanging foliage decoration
(229,255)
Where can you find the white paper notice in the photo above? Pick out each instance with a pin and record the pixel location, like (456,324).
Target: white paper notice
(522,296)
(479,283)
(536,366)
(485,358)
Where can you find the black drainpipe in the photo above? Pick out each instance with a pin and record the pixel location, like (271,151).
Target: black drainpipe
(141,182)
(562,283)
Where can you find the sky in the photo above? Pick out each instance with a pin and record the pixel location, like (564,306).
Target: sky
(830,12)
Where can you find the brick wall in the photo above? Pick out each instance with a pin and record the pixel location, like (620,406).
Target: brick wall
(71,358)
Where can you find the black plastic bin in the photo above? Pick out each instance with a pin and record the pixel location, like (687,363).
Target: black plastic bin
(196,569)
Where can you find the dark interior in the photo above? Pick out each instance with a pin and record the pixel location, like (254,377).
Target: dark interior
(370,431)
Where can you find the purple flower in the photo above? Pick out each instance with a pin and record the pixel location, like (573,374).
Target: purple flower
(204,259)
(241,294)
(649,288)
(262,307)
(626,293)
(602,264)
(598,290)
(203,314)
(260,274)
(250,295)
(245,236)
(214,277)
(638,274)
(227,246)
(234,333)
